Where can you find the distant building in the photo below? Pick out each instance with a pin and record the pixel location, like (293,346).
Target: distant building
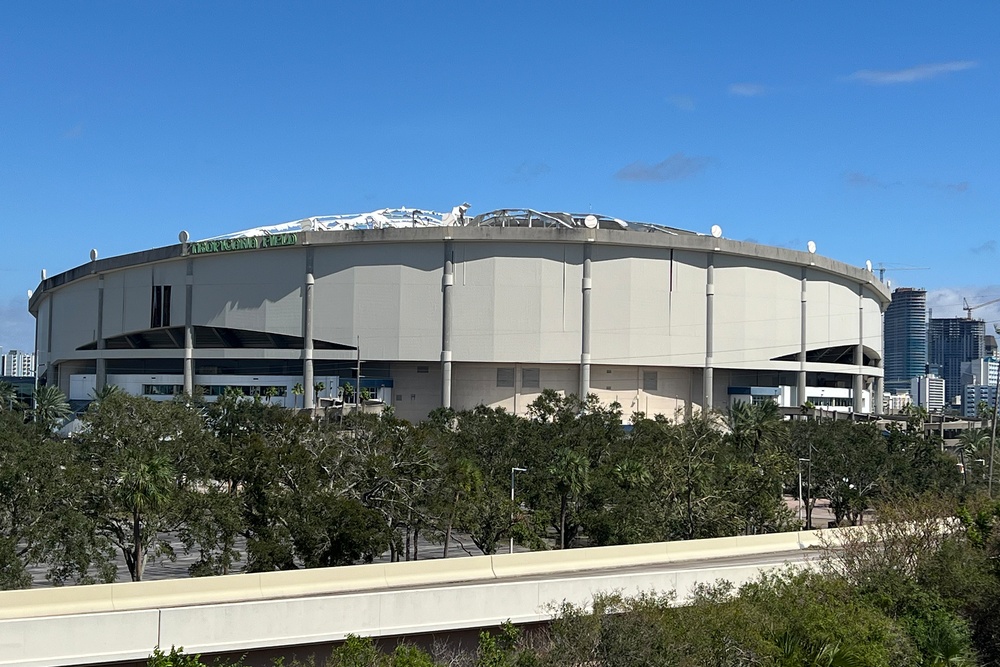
(18,364)
(951,342)
(928,392)
(990,345)
(975,394)
(980,371)
(905,338)
(894,404)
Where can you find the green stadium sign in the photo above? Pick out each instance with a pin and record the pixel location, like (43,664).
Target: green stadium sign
(245,243)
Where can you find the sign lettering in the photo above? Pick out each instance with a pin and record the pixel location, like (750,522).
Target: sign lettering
(245,243)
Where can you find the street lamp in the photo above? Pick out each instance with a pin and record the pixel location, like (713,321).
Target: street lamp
(801,461)
(512,471)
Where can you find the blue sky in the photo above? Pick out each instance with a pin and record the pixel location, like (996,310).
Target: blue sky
(870,128)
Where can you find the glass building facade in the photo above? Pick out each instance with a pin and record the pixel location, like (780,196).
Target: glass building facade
(905,338)
(950,342)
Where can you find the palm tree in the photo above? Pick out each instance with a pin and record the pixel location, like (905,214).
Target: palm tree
(754,425)
(143,487)
(297,391)
(107,392)
(970,443)
(51,406)
(571,471)
(916,415)
(318,388)
(8,395)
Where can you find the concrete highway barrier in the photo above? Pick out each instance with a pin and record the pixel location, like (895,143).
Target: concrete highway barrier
(103,623)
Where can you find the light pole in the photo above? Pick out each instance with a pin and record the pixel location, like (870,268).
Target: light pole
(512,472)
(801,461)
(993,435)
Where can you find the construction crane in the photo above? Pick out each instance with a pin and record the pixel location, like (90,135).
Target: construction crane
(897,267)
(968,309)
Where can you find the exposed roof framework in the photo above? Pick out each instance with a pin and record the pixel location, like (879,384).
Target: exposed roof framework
(411,217)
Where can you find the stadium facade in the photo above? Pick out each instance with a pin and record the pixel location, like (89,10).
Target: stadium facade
(454,310)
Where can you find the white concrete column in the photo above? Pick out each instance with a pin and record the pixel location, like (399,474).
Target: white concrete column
(189,329)
(859,355)
(585,289)
(102,363)
(801,380)
(708,378)
(447,285)
(308,395)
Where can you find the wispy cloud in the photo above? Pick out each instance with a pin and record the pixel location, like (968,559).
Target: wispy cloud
(957,188)
(676,167)
(859,179)
(746,89)
(948,302)
(682,102)
(910,74)
(985,248)
(527,171)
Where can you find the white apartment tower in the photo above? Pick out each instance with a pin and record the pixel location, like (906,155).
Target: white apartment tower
(18,364)
(928,392)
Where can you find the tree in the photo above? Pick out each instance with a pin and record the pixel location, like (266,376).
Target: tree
(8,395)
(143,489)
(51,407)
(570,472)
(297,391)
(145,456)
(973,444)
(758,464)
(42,492)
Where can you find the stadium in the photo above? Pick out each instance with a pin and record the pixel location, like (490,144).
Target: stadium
(456,310)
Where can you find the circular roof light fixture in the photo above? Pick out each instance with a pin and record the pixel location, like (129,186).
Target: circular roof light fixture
(43,274)
(811,247)
(717,231)
(868,265)
(183,236)
(93,254)
(590,222)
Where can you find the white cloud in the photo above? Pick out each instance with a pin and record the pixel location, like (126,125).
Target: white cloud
(746,89)
(985,248)
(949,302)
(910,74)
(527,171)
(682,102)
(859,179)
(676,167)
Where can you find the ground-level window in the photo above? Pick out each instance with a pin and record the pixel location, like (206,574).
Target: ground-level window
(649,380)
(505,377)
(530,378)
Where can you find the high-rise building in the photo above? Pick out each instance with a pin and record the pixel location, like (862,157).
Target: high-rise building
(18,364)
(950,342)
(928,392)
(905,338)
(980,371)
(974,394)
